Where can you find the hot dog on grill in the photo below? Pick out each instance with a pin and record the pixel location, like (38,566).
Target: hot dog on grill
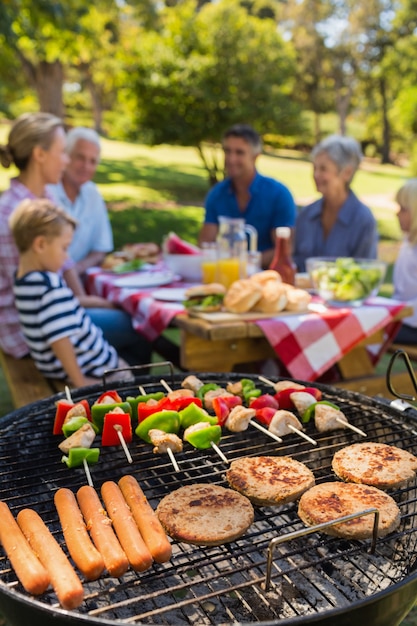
(125,526)
(102,533)
(64,580)
(86,557)
(145,517)
(29,570)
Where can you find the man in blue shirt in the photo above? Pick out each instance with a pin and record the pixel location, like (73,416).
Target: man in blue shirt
(261,201)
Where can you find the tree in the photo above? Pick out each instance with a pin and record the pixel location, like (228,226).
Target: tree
(208,69)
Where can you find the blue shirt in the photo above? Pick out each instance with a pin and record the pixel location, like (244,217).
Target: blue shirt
(354,233)
(271,205)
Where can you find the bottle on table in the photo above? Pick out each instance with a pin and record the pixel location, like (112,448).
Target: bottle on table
(282,261)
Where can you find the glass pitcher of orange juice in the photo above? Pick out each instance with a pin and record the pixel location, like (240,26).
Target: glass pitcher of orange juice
(232,249)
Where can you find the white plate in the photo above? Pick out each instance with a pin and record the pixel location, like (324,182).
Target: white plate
(143,280)
(175,294)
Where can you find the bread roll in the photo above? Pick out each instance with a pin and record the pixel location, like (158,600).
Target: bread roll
(260,278)
(297,299)
(274,297)
(242,295)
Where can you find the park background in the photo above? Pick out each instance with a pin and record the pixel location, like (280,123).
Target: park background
(161,81)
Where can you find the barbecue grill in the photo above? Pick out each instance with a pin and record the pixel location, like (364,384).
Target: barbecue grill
(315,579)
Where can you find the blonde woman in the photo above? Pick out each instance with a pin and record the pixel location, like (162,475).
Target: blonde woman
(405,268)
(36,146)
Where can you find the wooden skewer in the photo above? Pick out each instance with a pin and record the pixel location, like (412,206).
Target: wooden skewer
(266,381)
(68,393)
(265,431)
(301,434)
(173,459)
(119,431)
(348,425)
(87,473)
(219,452)
(142,390)
(165,385)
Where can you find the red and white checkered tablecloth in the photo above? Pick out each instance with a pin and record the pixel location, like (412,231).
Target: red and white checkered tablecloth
(309,344)
(149,316)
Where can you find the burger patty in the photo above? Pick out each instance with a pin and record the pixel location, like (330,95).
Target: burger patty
(269,480)
(329,501)
(205,515)
(376,464)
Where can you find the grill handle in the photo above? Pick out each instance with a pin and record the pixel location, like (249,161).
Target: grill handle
(312,529)
(402,396)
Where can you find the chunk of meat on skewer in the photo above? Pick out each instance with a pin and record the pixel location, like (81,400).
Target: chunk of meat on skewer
(282,421)
(328,418)
(239,418)
(193,383)
(162,441)
(287,384)
(181,393)
(214,393)
(235,388)
(302,400)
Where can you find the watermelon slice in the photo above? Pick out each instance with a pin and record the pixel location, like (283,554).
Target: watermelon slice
(175,245)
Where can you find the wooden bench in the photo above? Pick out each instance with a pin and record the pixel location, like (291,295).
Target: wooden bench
(25,382)
(409,349)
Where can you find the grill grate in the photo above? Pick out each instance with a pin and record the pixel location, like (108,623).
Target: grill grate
(223,584)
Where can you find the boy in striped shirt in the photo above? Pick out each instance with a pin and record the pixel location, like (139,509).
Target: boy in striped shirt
(63,341)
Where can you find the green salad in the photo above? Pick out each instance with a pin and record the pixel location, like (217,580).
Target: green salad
(345,280)
(128,266)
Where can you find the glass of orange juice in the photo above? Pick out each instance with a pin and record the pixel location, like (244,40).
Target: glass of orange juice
(209,263)
(229,270)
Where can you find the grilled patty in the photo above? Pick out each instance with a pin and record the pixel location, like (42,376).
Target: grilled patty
(205,515)
(377,464)
(269,480)
(332,500)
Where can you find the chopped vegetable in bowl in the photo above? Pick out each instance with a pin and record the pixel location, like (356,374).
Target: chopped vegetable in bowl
(345,281)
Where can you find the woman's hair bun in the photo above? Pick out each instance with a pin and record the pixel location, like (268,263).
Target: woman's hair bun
(6,157)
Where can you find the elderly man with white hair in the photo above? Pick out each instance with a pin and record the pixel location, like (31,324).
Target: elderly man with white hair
(79,196)
(338,223)
(93,238)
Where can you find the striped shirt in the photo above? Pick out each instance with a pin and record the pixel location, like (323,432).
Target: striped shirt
(48,311)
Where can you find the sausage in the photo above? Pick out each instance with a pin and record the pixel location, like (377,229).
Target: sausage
(102,534)
(145,517)
(84,554)
(126,528)
(29,570)
(64,580)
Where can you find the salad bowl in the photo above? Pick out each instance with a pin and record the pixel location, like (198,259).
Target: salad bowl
(345,281)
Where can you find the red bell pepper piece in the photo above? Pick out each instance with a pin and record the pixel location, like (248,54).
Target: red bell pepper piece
(109,394)
(265,414)
(145,409)
(62,408)
(222,405)
(265,400)
(180,403)
(284,399)
(109,436)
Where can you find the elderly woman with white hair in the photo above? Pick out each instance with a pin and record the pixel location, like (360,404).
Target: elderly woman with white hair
(338,223)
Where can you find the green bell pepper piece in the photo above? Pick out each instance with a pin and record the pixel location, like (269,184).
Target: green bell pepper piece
(76,456)
(192,414)
(205,388)
(74,424)
(204,437)
(309,412)
(251,393)
(134,401)
(98,411)
(168,421)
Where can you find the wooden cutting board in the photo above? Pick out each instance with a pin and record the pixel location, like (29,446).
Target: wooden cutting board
(221,317)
